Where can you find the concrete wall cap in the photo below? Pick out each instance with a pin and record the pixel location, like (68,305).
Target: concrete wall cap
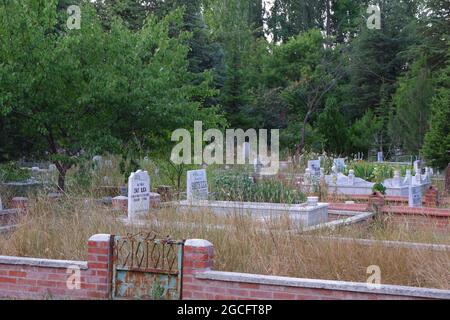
(100,238)
(325,284)
(198,243)
(42,262)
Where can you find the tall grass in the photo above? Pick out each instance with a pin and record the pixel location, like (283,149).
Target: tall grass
(60,230)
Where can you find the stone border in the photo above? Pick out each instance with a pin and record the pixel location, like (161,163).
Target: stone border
(324,284)
(338,223)
(35,262)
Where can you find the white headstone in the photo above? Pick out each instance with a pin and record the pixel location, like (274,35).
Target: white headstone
(197,185)
(1,206)
(314,167)
(52,168)
(417,167)
(97,161)
(351,177)
(415,196)
(138,194)
(397,178)
(308,176)
(246,148)
(380,157)
(340,164)
(408,178)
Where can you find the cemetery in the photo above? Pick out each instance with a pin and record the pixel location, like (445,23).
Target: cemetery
(130,168)
(347,232)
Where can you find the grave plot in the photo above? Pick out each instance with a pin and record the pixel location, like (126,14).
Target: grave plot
(269,247)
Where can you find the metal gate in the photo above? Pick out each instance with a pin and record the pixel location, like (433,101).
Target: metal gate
(147,268)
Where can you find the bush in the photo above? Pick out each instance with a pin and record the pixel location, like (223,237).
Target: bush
(10,172)
(379,187)
(240,187)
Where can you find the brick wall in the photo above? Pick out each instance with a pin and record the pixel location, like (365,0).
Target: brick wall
(200,282)
(29,278)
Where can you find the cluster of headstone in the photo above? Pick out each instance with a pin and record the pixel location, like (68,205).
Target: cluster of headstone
(414,184)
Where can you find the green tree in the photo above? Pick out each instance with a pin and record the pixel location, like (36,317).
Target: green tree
(436,148)
(332,128)
(87,91)
(411,103)
(365,133)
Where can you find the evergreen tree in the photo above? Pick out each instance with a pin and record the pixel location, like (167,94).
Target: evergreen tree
(436,148)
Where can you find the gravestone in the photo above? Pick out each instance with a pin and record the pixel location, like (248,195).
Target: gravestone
(314,167)
(418,167)
(340,164)
(1,206)
(246,148)
(257,165)
(197,185)
(415,196)
(138,194)
(380,157)
(97,160)
(351,177)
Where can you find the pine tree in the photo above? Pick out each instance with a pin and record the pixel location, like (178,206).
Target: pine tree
(436,148)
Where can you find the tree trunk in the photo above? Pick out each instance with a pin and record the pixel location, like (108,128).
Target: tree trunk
(301,145)
(62,170)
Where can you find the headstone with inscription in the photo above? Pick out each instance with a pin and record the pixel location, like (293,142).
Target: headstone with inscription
(138,194)
(197,185)
(314,167)
(415,196)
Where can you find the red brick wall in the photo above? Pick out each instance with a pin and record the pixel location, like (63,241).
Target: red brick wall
(23,279)
(198,262)
(27,281)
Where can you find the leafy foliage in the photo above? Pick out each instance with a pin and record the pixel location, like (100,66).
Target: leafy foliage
(241,187)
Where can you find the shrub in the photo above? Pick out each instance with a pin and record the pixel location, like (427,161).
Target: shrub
(10,171)
(241,187)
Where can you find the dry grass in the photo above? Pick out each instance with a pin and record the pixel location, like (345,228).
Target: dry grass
(61,230)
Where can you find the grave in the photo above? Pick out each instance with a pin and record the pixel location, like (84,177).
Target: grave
(138,194)
(380,157)
(306,214)
(197,185)
(415,196)
(302,215)
(314,168)
(339,183)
